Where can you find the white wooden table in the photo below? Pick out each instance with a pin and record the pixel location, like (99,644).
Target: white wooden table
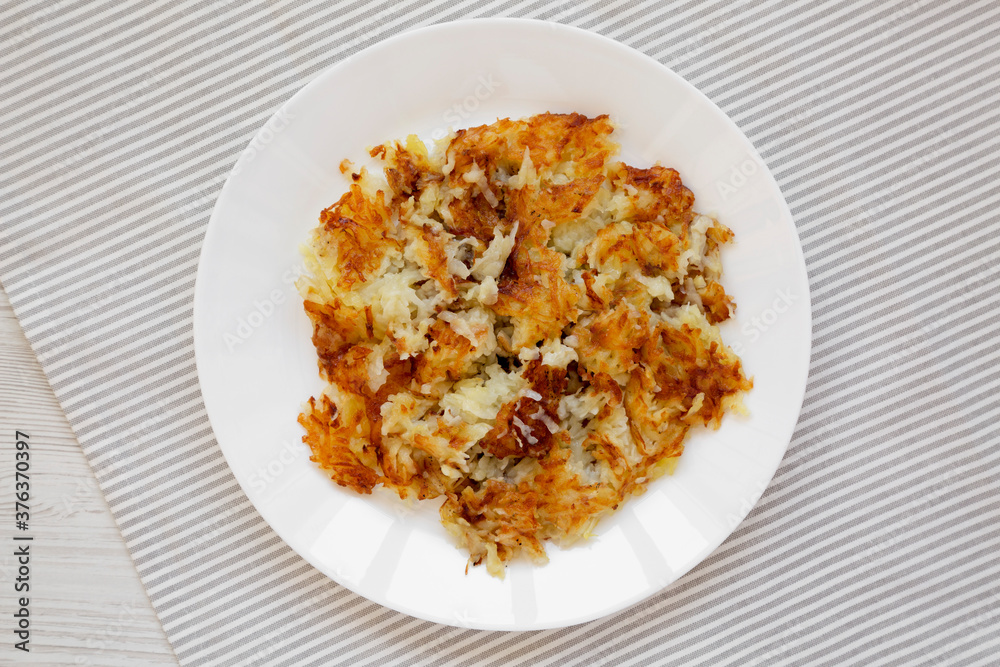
(87,605)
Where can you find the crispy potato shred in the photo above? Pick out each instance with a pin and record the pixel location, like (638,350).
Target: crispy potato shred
(517,324)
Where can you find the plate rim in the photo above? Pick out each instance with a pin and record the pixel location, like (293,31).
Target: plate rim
(624,51)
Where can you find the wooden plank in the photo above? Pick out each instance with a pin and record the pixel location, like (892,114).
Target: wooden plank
(87,605)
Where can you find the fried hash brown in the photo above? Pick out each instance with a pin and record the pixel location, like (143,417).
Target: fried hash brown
(518,324)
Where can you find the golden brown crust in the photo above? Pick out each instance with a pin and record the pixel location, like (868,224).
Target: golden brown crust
(660,196)
(504,514)
(324,434)
(359,226)
(522,425)
(446,358)
(476,217)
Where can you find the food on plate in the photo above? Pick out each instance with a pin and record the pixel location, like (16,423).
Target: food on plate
(518,324)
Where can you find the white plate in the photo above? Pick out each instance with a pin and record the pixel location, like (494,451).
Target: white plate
(257,365)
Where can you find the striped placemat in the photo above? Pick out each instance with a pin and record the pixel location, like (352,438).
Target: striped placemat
(878,542)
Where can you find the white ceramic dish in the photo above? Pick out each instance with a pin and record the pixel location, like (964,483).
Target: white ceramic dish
(256,363)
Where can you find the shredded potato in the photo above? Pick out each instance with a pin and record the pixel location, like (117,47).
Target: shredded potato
(518,323)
